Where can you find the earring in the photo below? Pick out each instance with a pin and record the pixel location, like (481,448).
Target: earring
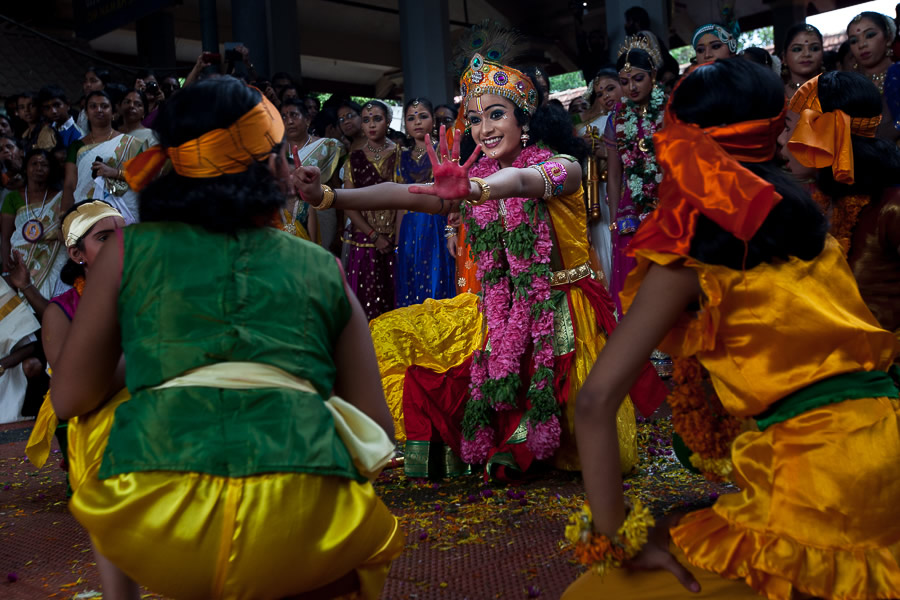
(81,262)
(784,71)
(524,137)
(890,52)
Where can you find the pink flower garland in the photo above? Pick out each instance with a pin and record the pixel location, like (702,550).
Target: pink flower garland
(512,244)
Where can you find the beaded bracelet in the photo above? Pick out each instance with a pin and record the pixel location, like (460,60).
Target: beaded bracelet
(449,231)
(554,175)
(598,551)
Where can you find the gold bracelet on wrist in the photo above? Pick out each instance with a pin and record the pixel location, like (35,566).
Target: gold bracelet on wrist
(327,198)
(485,191)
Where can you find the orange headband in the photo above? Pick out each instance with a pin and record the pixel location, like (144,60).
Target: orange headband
(703,176)
(823,139)
(217,152)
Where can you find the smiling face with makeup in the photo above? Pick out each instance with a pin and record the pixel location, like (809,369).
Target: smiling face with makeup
(494,126)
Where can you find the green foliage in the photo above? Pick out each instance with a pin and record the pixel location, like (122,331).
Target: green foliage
(566,81)
(683,55)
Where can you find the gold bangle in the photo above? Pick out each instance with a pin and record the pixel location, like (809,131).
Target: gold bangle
(613,226)
(485,191)
(327,198)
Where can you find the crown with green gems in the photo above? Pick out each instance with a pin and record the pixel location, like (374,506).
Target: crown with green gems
(483,76)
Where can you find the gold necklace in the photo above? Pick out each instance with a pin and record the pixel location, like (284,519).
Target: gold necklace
(376,152)
(418,152)
(94,139)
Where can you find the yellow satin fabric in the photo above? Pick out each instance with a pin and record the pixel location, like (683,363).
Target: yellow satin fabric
(39,441)
(567,213)
(817,507)
(437,335)
(441,334)
(766,332)
(589,341)
(816,511)
(192,535)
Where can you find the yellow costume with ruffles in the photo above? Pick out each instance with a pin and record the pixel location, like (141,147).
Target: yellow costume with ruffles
(792,344)
(440,335)
(817,508)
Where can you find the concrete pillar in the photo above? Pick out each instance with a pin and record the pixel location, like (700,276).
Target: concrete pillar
(425,49)
(209,22)
(786,14)
(284,38)
(615,22)
(155,35)
(249,26)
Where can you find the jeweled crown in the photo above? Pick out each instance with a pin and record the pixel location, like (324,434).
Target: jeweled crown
(483,76)
(642,40)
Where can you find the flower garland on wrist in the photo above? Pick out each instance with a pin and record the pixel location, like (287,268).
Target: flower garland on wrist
(701,420)
(635,126)
(598,551)
(511,241)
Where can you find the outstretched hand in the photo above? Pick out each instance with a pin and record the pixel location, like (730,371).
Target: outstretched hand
(451,179)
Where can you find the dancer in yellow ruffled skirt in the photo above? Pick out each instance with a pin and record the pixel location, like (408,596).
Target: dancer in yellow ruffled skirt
(735,268)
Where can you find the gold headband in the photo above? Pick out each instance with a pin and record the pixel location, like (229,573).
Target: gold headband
(79,222)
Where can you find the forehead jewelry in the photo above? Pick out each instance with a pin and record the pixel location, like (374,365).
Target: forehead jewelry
(415,103)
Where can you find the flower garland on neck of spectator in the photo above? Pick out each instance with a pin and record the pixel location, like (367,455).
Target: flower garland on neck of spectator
(635,126)
(512,242)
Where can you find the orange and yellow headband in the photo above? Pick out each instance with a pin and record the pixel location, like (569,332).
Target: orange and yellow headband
(217,152)
(824,139)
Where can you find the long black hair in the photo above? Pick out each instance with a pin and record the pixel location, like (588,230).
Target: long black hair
(731,91)
(225,203)
(876,161)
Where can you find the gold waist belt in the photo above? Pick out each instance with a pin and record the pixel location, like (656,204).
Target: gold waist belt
(571,275)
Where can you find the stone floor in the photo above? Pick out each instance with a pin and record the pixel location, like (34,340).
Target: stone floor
(465,539)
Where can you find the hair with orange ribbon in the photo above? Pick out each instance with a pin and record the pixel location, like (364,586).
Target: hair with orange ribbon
(823,139)
(716,151)
(221,151)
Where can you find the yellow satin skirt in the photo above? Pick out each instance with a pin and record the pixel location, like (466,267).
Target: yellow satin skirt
(41,438)
(816,515)
(198,536)
(441,334)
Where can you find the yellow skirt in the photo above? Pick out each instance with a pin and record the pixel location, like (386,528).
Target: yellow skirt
(441,334)
(39,441)
(192,535)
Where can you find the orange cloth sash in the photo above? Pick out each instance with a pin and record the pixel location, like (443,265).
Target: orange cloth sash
(824,139)
(703,175)
(217,152)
